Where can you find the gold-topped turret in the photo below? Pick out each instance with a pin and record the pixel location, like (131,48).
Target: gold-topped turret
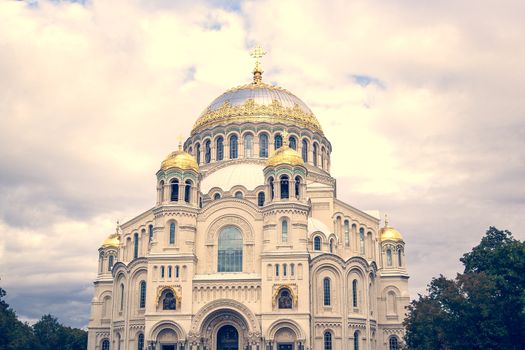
(285,155)
(257,53)
(180,159)
(388,233)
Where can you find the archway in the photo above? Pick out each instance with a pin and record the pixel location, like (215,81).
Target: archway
(227,338)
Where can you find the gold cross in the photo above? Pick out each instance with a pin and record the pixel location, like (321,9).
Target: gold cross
(257,53)
(180,138)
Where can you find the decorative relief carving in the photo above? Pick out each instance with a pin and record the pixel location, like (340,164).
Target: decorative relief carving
(177,292)
(292,287)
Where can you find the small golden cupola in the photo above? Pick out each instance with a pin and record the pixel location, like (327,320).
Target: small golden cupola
(285,155)
(180,159)
(388,233)
(112,241)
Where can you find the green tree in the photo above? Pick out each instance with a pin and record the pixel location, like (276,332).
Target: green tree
(482,308)
(14,335)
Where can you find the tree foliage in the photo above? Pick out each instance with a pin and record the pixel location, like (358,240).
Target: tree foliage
(482,308)
(46,334)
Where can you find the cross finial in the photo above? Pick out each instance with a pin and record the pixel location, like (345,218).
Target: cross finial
(180,138)
(386,220)
(257,53)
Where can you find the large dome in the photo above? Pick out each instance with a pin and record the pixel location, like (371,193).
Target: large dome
(257,102)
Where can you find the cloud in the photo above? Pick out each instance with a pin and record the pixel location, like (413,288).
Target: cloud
(422,103)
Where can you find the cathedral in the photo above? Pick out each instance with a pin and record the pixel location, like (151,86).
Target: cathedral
(248,247)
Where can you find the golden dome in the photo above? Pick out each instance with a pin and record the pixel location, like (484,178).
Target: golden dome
(111,242)
(180,159)
(388,233)
(285,155)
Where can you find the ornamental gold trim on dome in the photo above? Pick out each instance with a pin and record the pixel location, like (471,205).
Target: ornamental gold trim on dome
(250,111)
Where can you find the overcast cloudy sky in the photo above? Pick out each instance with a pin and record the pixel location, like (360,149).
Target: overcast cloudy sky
(422,101)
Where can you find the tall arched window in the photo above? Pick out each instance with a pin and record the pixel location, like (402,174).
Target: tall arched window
(297,187)
(172,233)
(260,199)
(285,270)
(304,150)
(230,250)
(110,262)
(263,146)
(315,154)
(170,269)
(121,297)
(142,297)
(174,190)
(162,271)
(272,189)
(284,231)
(105,344)
(234,151)
(285,187)
(177,270)
(331,246)
(356,340)
(277,270)
(219,148)
(292,269)
(187,191)
(326,291)
(207,151)
(399,260)
(347,233)
(161,190)
(140,342)
(248,146)
(317,243)
(389,257)
(327,341)
(198,153)
(135,245)
(361,240)
(354,293)
(393,343)
(322,157)
(150,232)
(278,141)
(293,142)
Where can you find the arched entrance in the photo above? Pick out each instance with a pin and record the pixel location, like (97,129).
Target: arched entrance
(227,338)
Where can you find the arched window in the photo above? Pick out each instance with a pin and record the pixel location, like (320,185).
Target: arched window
(356,340)
(327,341)
(161,185)
(285,270)
(263,146)
(150,232)
(322,157)
(121,297)
(297,187)
(172,233)
(393,343)
(198,153)
(162,271)
(354,293)
(292,269)
(285,187)
(177,270)
(331,246)
(361,241)
(140,342)
(217,196)
(174,190)
(238,194)
(169,302)
(260,199)
(277,270)
(207,150)
(219,148)
(304,150)
(110,262)
(169,271)
(315,154)
(389,257)
(326,291)
(284,231)
(135,245)
(105,344)
(278,141)
(293,142)
(391,306)
(234,151)
(248,146)
(187,191)
(230,250)
(347,233)
(317,243)
(272,189)
(399,260)
(142,298)
(284,299)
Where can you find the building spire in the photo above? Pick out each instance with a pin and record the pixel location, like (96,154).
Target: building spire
(257,53)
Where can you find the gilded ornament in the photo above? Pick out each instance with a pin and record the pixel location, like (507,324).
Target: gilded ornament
(180,159)
(112,241)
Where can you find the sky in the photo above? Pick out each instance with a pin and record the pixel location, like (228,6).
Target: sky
(422,102)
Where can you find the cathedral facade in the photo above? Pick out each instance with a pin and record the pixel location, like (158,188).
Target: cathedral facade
(248,246)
